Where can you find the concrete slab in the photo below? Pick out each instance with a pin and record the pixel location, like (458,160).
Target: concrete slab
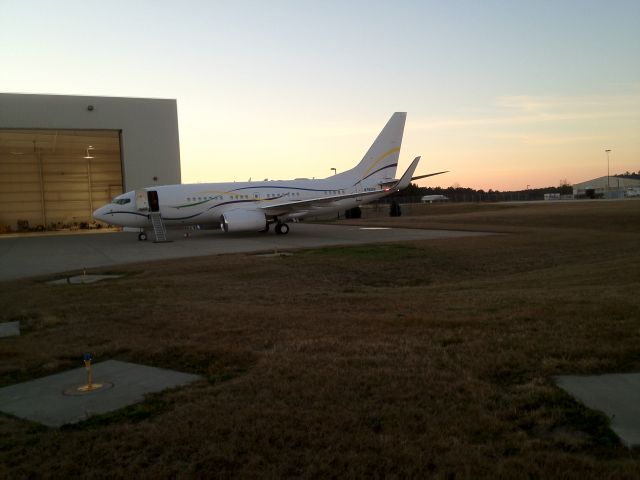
(27,257)
(10,329)
(82,279)
(617,395)
(47,400)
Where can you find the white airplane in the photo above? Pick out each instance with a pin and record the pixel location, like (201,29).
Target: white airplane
(254,206)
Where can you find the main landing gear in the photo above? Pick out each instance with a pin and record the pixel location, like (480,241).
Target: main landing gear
(282,228)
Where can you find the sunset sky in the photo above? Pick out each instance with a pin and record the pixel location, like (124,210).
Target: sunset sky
(504,94)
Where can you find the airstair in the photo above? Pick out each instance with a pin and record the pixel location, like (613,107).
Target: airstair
(158,227)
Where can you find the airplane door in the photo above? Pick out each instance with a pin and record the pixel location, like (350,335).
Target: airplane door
(142,201)
(154,205)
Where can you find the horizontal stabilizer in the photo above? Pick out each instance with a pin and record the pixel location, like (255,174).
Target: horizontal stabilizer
(428,175)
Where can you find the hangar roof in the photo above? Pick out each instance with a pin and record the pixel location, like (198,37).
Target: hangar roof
(601,182)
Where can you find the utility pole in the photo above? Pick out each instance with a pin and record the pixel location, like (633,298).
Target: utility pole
(608,151)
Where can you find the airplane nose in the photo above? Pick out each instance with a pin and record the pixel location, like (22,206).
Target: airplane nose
(100,213)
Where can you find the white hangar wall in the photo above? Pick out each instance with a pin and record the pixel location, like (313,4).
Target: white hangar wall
(49,175)
(149,128)
(611,187)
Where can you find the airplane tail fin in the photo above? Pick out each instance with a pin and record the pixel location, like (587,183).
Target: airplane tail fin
(381,160)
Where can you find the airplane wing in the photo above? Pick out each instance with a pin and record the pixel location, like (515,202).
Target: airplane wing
(306,206)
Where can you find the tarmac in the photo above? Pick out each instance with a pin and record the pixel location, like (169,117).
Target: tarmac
(616,395)
(28,256)
(55,400)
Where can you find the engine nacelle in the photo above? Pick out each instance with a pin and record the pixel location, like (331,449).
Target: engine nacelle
(243,221)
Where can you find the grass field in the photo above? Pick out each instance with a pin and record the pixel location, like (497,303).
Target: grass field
(420,359)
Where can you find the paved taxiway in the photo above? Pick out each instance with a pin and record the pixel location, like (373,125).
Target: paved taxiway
(22,257)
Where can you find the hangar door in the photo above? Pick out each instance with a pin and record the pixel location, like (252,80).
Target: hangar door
(51,179)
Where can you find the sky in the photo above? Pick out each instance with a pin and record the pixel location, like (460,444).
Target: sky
(503,94)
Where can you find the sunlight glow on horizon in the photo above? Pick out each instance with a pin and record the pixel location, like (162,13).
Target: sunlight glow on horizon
(501,95)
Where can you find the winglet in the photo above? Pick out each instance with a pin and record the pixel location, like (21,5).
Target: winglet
(406,178)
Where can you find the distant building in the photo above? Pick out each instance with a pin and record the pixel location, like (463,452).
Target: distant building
(616,187)
(434,198)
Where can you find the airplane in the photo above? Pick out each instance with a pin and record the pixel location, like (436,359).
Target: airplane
(255,206)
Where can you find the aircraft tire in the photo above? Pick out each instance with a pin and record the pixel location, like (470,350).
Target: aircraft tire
(282,229)
(142,236)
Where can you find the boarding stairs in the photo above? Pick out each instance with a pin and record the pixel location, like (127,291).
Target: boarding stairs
(158,227)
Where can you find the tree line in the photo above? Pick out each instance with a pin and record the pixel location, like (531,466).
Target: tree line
(456,193)
(413,193)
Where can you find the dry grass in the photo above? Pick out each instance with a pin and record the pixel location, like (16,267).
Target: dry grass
(408,360)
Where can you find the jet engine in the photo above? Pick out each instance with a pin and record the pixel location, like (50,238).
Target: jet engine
(243,221)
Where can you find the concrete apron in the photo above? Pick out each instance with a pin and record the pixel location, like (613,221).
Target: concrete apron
(617,395)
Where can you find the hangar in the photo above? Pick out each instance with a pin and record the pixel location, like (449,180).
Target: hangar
(607,187)
(63,156)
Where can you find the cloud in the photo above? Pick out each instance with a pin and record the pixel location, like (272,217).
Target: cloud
(543,140)
(541,110)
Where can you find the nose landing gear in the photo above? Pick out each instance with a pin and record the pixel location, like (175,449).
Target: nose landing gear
(142,236)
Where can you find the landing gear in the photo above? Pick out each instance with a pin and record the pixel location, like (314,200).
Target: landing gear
(142,236)
(282,228)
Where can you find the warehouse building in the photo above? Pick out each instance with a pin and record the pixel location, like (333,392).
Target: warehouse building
(607,187)
(61,157)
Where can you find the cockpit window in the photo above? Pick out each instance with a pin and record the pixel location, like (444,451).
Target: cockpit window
(121,201)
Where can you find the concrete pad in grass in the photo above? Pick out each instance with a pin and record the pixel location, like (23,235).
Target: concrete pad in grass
(10,329)
(616,395)
(55,400)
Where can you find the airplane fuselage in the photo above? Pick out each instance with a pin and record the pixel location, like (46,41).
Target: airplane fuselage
(204,203)
(253,206)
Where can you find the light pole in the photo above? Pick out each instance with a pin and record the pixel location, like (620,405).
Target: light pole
(608,151)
